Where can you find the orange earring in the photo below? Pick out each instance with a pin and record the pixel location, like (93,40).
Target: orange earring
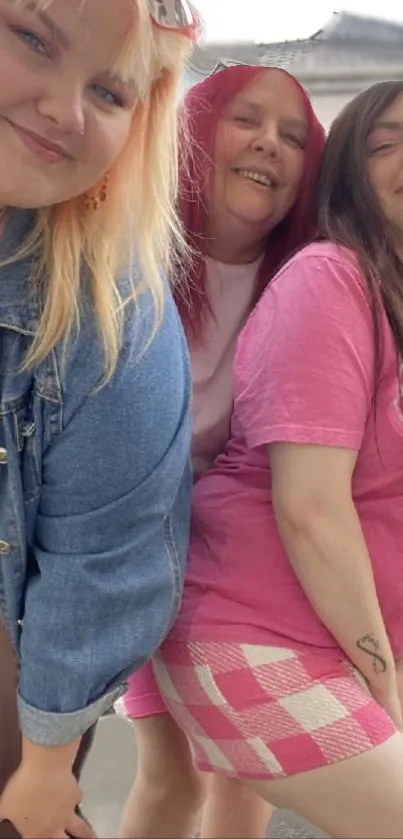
(94,201)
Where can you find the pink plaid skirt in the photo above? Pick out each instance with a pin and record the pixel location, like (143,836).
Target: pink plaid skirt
(267,712)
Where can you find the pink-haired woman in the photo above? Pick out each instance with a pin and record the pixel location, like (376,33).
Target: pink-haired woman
(251,151)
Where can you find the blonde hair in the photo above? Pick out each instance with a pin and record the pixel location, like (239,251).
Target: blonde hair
(138,219)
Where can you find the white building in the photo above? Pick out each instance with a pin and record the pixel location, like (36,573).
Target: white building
(334,64)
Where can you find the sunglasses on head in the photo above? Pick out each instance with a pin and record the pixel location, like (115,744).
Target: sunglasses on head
(176,16)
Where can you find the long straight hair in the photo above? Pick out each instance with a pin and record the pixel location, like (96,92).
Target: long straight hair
(203,107)
(138,219)
(348,211)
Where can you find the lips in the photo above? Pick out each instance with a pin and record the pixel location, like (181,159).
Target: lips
(40,146)
(256,177)
(265,178)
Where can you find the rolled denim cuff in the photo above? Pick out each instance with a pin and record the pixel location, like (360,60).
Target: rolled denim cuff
(46,728)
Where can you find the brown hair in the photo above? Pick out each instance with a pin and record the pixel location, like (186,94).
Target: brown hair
(348,211)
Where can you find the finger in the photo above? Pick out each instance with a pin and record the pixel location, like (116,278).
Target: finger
(80,829)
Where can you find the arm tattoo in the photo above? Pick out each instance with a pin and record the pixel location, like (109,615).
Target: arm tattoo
(369,645)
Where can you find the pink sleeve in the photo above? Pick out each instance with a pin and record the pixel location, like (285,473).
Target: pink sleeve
(305,360)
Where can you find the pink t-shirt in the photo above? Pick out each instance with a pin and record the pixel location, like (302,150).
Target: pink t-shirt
(231,290)
(304,373)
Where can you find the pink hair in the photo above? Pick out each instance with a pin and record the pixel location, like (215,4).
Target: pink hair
(203,106)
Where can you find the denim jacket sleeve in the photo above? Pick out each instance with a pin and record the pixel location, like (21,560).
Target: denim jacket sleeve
(111,532)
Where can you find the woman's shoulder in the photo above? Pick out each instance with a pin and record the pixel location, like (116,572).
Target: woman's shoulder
(324,253)
(152,362)
(322,270)
(321,286)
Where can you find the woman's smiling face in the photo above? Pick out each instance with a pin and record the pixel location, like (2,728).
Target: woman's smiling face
(65,116)
(385,163)
(259,152)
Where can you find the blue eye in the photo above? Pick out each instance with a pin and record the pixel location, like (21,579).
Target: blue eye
(31,40)
(107,96)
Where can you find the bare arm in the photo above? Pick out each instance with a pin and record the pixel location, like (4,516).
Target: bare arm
(321,532)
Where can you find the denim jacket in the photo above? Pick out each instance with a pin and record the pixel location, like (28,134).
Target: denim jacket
(94,503)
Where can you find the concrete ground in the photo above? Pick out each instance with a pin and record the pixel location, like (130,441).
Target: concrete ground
(108,777)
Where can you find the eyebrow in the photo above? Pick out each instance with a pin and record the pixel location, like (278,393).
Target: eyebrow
(64,41)
(50,24)
(258,107)
(389,124)
(246,103)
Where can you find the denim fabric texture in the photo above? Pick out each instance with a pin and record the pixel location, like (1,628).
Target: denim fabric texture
(95,491)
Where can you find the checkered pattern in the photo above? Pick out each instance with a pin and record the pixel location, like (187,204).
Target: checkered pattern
(267,712)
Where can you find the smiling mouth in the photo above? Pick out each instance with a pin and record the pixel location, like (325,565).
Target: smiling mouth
(39,146)
(256,177)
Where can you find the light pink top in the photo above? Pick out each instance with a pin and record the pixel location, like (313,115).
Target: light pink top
(304,373)
(231,291)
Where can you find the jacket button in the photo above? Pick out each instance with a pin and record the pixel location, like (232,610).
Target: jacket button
(5,548)
(3,456)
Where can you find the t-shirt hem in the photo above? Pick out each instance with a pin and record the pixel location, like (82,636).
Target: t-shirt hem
(247,635)
(298,434)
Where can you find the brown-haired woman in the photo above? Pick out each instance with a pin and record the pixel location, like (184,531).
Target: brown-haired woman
(285,664)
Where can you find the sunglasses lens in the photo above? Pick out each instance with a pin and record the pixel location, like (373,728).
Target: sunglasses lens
(172,14)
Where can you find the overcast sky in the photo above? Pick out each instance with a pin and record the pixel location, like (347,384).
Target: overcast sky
(265,20)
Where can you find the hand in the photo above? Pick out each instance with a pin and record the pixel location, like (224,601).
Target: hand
(40,801)
(388,697)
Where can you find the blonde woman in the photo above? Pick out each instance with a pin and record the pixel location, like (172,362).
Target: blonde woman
(94,381)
